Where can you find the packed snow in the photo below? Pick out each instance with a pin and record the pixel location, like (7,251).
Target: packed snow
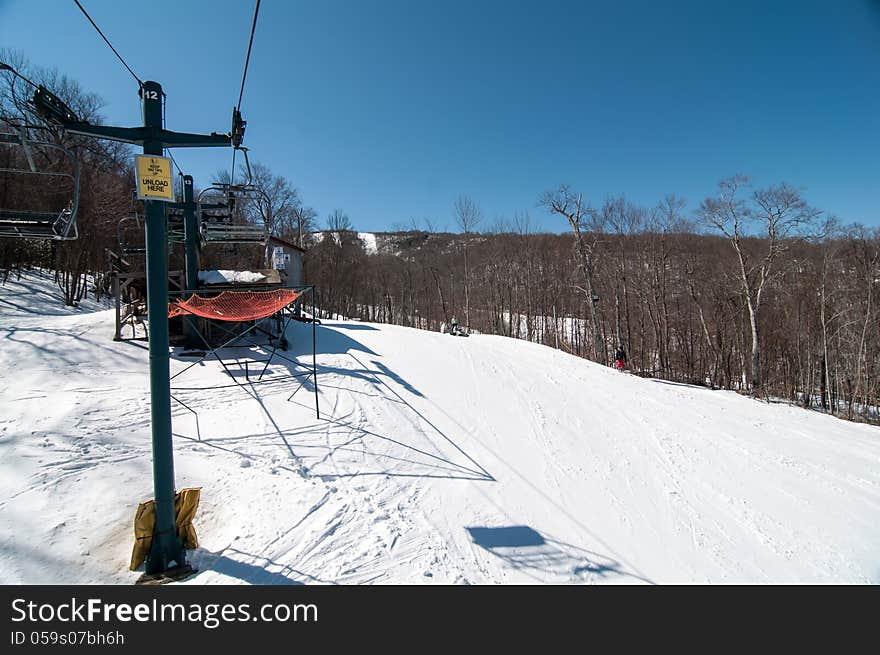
(436,460)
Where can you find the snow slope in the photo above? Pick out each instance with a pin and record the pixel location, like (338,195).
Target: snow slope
(436,459)
(369,241)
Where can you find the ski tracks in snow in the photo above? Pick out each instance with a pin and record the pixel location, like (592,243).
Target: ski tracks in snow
(364,462)
(436,459)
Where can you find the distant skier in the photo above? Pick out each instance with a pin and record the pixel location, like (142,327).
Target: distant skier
(454,324)
(620,357)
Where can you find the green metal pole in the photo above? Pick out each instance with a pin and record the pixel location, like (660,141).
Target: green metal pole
(167,550)
(191,240)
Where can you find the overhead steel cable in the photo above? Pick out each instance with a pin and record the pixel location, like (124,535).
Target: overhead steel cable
(133,74)
(15,101)
(179,172)
(168,150)
(107,41)
(7,67)
(247,61)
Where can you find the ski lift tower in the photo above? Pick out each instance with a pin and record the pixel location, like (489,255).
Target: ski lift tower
(167,556)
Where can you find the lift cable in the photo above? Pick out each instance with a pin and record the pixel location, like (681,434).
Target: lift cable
(180,172)
(247,61)
(248,57)
(7,67)
(82,9)
(168,150)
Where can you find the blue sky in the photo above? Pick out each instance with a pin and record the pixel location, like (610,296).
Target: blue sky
(390,109)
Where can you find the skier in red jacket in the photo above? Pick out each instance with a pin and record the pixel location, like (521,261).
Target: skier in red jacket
(620,357)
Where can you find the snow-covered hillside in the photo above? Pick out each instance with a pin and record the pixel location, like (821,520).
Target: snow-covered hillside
(368,239)
(437,460)
(386,243)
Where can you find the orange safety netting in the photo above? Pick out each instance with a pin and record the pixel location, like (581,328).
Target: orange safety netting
(235,305)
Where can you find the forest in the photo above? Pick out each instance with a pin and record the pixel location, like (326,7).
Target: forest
(788,315)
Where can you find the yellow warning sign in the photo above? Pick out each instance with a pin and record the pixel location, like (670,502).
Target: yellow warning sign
(154,178)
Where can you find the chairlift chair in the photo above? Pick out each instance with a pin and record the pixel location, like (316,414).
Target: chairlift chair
(175,225)
(126,229)
(55,223)
(217,219)
(216,232)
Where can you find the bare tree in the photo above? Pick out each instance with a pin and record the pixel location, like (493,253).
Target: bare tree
(468,216)
(866,253)
(779,213)
(275,203)
(306,218)
(338,221)
(586,227)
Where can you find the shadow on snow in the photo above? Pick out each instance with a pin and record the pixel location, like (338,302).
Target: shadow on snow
(356,437)
(525,549)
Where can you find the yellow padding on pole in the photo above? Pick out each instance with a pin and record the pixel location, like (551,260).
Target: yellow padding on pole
(144,523)
(186,503)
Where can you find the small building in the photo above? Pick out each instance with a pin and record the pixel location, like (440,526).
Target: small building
(287,259)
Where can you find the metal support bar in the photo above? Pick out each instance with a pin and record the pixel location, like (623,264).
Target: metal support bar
(150,134)
(116,295)
(191,241)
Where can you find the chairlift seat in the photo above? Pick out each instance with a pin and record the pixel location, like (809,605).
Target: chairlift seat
(230,233)
(216,218)
(37,225)
(128,245)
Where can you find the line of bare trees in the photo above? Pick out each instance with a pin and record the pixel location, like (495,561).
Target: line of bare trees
(754,290)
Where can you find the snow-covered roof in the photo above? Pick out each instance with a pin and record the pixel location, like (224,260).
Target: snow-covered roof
(230,277)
